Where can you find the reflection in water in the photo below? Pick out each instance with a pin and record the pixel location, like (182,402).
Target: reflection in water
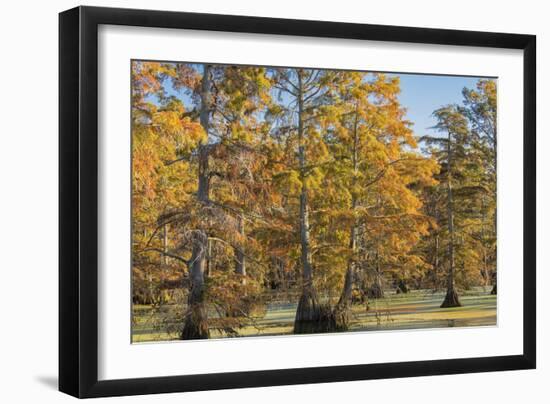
(414,310)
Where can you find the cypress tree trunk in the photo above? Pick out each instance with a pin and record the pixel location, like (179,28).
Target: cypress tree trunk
(240,259)
(377,291)
(402,286)
(342,310)
(308,311)
(150,288)
(451,298)
(485,272)
(164,263)
(435,278)
(196,320)
(436,261)
(240,269)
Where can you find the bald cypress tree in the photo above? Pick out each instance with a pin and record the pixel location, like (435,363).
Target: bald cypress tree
(374,163)
(480,108)
(453,152)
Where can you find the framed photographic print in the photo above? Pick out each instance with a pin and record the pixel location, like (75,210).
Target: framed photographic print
(250,201)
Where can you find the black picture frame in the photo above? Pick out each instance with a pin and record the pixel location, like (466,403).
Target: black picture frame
(78,201)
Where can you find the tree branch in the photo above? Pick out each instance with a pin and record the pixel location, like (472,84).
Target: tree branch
(168,254)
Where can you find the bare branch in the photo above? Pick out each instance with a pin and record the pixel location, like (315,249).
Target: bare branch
(183,158)
(168,254)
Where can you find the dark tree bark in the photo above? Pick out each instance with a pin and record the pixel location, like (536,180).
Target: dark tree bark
(376,291)
(451,298)
(196,320)
(343,307)
(308,311)
(402,286)
(485,271)
(342,311)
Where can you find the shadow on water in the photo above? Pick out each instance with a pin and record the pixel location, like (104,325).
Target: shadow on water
(415,310)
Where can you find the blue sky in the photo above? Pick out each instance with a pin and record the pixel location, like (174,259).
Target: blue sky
(420,95)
